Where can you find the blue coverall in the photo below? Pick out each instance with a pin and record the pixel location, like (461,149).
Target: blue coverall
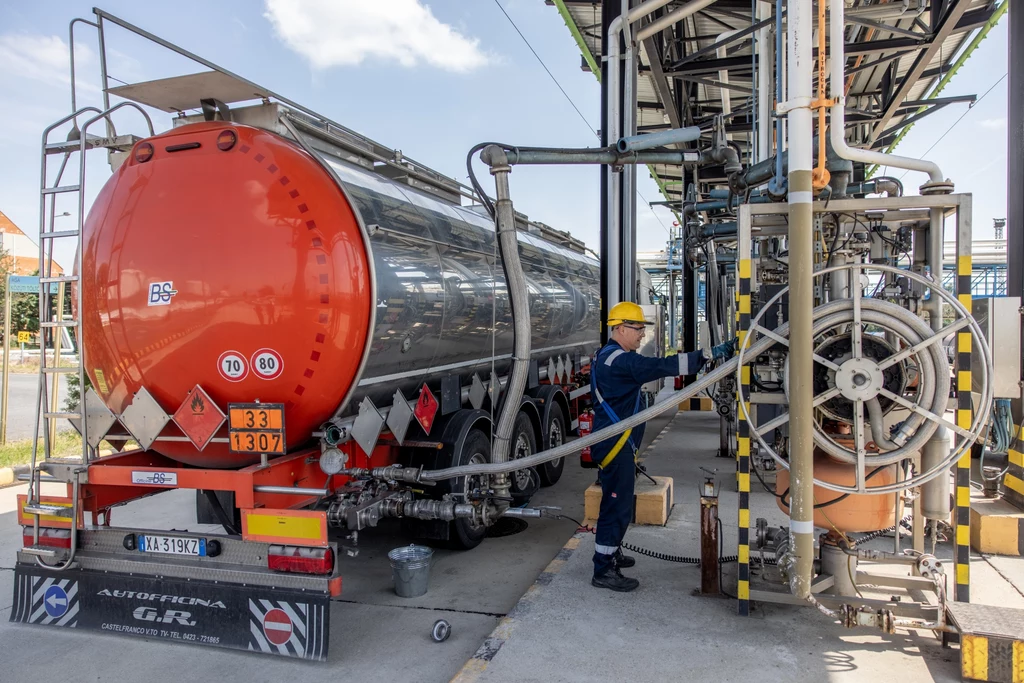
(616,378)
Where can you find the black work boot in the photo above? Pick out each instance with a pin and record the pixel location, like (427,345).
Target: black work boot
(614,580)
(623,561)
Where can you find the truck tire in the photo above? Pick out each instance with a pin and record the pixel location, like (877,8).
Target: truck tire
(524,483)
(554,435)
(476,449)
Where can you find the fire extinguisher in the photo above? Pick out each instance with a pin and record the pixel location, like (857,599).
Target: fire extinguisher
(586,425)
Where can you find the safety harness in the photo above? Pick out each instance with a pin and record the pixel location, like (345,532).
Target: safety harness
(611,416)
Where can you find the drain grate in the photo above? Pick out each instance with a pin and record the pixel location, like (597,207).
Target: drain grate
(507,526)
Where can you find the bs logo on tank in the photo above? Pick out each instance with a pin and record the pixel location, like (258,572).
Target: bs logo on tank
(160,293)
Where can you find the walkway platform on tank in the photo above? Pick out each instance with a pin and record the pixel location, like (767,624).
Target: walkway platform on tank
(565,630)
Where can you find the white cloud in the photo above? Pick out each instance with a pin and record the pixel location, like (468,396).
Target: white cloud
(40,58)
(998,123)
(347,32)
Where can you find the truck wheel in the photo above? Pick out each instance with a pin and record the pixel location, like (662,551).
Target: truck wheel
(476,450)
(554,435)
(524,483)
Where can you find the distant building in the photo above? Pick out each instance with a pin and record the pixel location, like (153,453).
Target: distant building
(21,250)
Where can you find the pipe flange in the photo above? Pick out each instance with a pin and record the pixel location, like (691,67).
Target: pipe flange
(937,187)
(859,379)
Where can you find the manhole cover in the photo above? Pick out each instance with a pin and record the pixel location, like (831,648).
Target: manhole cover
(507,526)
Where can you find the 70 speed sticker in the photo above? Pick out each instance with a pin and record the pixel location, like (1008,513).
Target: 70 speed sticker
(232,366)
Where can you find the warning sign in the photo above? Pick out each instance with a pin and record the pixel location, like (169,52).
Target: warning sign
(199,417)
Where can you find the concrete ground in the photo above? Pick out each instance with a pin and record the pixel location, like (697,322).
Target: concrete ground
(566,630)
(21,413)
(374,634)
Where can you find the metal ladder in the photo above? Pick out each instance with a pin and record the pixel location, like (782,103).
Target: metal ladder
(73,471)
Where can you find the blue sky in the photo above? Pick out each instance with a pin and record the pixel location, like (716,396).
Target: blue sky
(429,77)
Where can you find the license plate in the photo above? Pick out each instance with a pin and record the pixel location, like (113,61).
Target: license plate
(172,545)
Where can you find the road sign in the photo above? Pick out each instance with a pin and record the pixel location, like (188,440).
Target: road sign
(23,284)
(24,337)
(277,626)
(55,600)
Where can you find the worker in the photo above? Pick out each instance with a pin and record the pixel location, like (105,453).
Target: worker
(616,377)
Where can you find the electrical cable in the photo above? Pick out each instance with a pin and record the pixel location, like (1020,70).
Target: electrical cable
(680,559)
(545,66)
(966,112)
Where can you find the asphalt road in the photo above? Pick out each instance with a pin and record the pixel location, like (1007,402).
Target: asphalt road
(21,413)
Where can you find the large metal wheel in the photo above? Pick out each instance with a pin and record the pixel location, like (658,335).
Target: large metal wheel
(525,482)
(859,376)
(551,472)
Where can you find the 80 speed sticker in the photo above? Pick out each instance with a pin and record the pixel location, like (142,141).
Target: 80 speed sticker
(232,366)
(267,364)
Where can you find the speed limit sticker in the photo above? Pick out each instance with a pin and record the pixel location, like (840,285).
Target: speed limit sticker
(267,364)
(232,366)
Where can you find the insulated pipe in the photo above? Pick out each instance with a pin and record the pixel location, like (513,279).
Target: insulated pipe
(723,74)
(801,299)
(765,57)
(778,185)
(670,402)
(635,143)
(613,110)
(937,447)
(536,156)
(658,25)
(838,133)
(508,248)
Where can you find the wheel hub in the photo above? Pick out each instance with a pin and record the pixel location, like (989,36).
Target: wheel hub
(859,379)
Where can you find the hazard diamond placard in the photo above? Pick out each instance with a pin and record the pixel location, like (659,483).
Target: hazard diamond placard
(199,417)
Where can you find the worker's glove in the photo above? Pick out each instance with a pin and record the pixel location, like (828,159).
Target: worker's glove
(724,351)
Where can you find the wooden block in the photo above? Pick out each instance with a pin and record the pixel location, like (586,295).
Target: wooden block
(592,501)
(652,504)
(997,527)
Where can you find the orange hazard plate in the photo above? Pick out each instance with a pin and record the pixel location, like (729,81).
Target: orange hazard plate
(256,428)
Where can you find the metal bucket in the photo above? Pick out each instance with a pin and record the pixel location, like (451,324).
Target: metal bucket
(410,566)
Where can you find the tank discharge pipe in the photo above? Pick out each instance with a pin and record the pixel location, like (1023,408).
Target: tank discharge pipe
(508,248)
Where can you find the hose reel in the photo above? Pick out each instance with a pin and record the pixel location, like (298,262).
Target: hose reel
(859,376)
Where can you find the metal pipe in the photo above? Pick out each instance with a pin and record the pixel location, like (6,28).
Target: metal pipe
(801,299)
(778,182)
(613,111)
(935,493)
(292,491)
(658,25)
(675,136)
(508,249)
(594,155)
(838,132)
(765,57)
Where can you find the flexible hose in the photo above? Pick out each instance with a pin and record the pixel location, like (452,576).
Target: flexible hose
(669,403)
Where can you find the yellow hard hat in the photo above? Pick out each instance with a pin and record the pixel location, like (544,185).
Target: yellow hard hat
(626,312)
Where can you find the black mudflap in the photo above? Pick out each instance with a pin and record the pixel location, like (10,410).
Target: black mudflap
(276,621)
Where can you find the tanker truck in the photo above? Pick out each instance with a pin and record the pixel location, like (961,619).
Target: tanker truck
(295,322)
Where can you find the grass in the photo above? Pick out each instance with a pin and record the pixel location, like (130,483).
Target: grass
(15,453)
(68,443)
(31,364)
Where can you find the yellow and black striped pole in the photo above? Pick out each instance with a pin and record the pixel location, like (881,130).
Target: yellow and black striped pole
(742,427)
(962,558)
